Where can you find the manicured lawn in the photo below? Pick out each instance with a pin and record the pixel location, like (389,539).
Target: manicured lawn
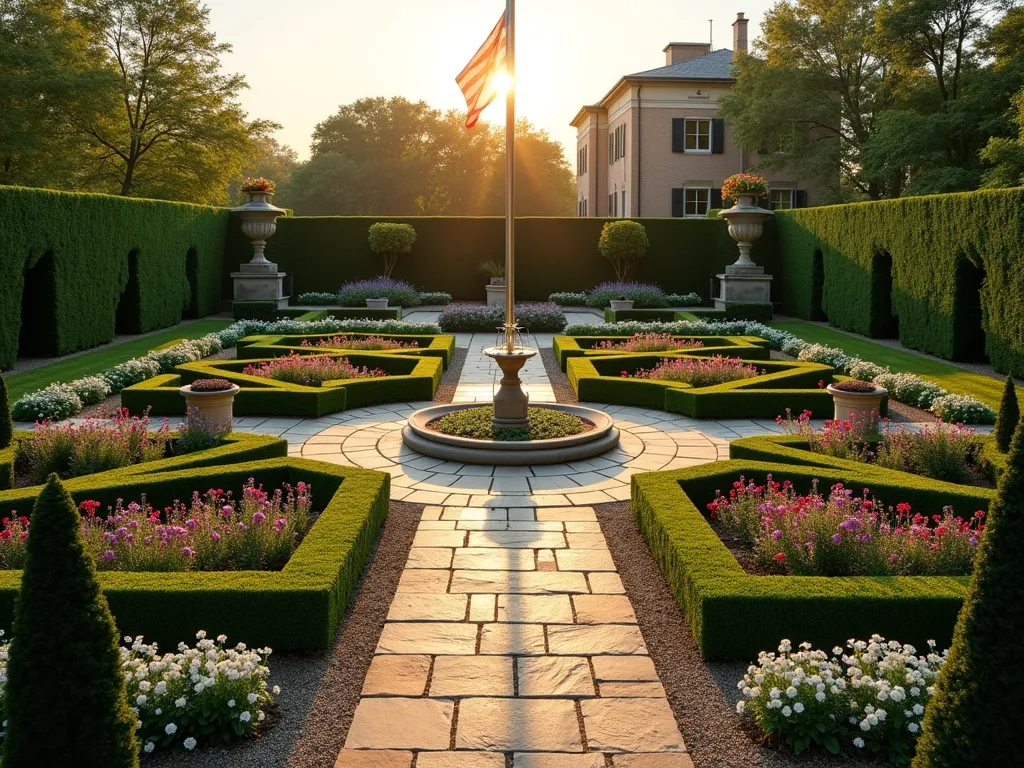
(956,380)
(95,362)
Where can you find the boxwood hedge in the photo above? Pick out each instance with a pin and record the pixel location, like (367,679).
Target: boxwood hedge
(409,379)
(745,347)
(76,268)
(944,266)
(785,385)
(296,608)
(251,347)
(734,615)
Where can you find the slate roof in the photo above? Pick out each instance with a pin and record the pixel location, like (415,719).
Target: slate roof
(716,65)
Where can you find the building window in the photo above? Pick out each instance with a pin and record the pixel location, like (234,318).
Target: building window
(780,199)
(581,161)
(611,205)
(698,135)
(623,202)
(696,201)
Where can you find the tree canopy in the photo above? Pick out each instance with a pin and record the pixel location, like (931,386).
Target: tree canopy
(381,156)
(881,98)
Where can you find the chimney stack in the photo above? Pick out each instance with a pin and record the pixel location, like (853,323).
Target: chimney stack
(739,33)
(676,52)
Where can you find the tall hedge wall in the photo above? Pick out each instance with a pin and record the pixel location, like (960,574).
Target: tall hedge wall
(944,272)
(78,267)
(552,254)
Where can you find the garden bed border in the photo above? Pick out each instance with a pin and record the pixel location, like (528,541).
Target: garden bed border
(277,345)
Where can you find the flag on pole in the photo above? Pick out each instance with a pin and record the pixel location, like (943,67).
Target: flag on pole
(477,80)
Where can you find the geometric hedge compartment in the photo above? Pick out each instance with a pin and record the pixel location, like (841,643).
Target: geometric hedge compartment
(743,347)
(295,608)
(409,379)
(793,449)
(794,385)
(733,614)
(253,347)
(234,448)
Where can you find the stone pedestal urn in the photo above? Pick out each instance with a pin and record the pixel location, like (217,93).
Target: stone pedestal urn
(746,224)
(510,402)
(259,279)
(859,404)
(215,406)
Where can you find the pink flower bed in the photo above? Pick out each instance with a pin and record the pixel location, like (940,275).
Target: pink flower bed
(311,371)
(698,372)
(362,342)
(650,342)
(215,532)
(843,534)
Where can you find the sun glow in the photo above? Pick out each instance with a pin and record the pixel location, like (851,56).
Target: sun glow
(502,82)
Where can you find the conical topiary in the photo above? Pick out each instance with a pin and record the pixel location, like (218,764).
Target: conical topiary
(975,716)
(65,699)
(1009,415)
(6,427)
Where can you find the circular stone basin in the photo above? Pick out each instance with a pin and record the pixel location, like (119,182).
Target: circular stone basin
(418,436)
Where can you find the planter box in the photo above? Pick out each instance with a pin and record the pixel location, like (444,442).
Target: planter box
(620,305)
(376,303)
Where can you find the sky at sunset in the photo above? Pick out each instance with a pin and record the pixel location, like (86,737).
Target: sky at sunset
(303,58)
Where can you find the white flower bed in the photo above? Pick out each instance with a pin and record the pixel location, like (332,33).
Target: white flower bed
(57,401)
(872,696)
(90,389)
(903,387)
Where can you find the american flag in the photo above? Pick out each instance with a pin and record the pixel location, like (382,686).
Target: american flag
(477,79)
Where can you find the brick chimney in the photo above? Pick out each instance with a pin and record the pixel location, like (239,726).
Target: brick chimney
(739,33)
(676,52)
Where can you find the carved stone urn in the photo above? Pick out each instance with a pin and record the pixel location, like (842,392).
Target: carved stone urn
(746,224)
(744,281)
(259,279)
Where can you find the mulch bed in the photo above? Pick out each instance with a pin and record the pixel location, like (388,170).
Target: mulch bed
(320,691)
(703,695)
(450,380)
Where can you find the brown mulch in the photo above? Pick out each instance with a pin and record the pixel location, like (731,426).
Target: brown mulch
(564,393)
(320,690)
(702,695)
(450,380)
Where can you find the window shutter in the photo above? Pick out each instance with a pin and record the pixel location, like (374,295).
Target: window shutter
(716,198)
(678,203)
(717,136)
(678,134)
(623,139)
(799,198)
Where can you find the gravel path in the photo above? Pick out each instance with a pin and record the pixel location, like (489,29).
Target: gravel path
(703,695)
(319,691)
(450,380)
(564,393)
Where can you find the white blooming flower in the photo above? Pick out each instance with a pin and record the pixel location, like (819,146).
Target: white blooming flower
(245,717)
(798,707)
(150,746)
(787,711)
(819,696)
(170,728)
(189,743)
(179,702)
(276,689)
(140,700)
(913,727)
(918,709)
(231,703)
(739,706)
(858,742)
(252,698)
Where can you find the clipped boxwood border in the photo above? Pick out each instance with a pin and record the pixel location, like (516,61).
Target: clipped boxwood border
(734,615)
(745,347)
(252,347)
(296,608)
(235,448)
(793,385)
(792,449)
(410,379)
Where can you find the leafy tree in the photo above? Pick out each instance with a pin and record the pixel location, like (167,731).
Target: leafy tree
(545,185)
(623,242)
(51,69)
(272,160)
(6,426)
(178,131)
(390,240)
(974,717)
(65,699)
(1009,416)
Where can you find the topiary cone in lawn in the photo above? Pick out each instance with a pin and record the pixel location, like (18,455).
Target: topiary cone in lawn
(6,426)
(65,700)
(1009,415)
(975,717)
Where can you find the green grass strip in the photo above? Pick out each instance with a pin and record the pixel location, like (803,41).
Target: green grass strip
(96,362)
(957,380)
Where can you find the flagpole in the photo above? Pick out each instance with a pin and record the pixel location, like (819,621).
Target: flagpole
(510,174)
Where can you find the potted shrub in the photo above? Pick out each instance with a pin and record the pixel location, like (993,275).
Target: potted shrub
(494,269)
(862,399)
(623,243)
(620,304)
(390,240)
(211,398)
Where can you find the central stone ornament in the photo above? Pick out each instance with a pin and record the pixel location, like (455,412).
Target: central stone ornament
(510,402)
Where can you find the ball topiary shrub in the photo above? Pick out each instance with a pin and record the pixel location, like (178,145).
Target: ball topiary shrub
(1006,421)
(6,425)
(390,240)
(623,243)
(974,718)
(65,700)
